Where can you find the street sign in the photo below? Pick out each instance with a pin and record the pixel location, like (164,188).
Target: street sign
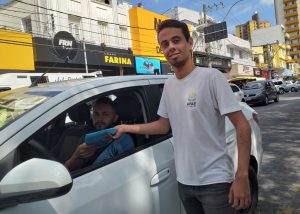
(215,32)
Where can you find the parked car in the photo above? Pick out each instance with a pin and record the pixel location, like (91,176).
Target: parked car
(35,120)
(297,85)
(238,93)
(280,85)
(260,92)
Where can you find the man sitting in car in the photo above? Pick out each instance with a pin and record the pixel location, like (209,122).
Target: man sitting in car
(104,116)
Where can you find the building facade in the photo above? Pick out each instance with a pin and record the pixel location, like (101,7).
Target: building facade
(240,52)
(271,53)
(148,56)
(16,51)
(97,29)
(244,31)
(287,14)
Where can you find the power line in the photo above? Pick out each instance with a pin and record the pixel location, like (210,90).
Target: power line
(82,21)
(123,25)
(231,8)
(103,34)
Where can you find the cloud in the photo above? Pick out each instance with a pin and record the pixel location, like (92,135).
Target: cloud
(266,2)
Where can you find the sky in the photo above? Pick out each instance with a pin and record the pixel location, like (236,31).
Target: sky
(240,13)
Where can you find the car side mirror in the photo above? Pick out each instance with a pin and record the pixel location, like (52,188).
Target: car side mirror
(34,180)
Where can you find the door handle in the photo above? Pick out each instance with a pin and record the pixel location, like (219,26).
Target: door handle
(160,176)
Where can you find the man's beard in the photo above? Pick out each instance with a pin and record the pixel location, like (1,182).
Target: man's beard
(178,64)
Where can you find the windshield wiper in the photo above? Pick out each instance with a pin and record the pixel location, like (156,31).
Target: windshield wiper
(38,79)
(35,82)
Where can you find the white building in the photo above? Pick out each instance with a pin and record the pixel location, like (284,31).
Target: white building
(92,21)
(232,47)
(240,52)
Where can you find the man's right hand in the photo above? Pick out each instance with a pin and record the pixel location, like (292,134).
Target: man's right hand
(120,130)
(84,151)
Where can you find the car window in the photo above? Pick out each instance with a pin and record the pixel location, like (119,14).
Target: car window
(14,105)
(61,136)
(234,88)
(253,85)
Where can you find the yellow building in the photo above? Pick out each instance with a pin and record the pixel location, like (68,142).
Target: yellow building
(143,25)
(287,13)
(279,59)
(244,31)
(16,51)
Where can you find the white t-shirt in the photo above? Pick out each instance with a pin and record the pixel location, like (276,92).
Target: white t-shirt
(195,106)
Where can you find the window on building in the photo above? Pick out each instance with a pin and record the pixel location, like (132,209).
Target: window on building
(102,14)
(123,37)
(231,52)
(27,26)
(74,6)
(74,26)
(241,56)
(103,32)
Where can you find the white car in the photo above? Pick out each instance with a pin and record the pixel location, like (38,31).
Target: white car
(35,121)
(297,85)
(238,93)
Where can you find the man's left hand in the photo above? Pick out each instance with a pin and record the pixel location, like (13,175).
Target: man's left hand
(239,195)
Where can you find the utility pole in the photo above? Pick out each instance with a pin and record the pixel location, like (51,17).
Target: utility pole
(269,59)
(205,8)
(52,23)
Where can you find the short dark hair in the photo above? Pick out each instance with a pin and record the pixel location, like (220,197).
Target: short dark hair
(105,100)
(173,23)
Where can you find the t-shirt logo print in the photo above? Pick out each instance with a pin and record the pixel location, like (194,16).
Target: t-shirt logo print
(191,99)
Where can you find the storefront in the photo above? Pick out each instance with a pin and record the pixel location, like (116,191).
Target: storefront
(222,63)
(144,36)
(146,66)
(65,54)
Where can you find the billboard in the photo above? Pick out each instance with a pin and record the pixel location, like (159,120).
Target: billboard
(215,32)
(147,66)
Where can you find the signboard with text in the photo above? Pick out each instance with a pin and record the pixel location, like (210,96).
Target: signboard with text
(215,32)
(147,65)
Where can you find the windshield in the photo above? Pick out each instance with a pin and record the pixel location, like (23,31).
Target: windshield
(253,85)
(14,105)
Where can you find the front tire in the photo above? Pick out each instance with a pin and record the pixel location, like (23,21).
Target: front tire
(293,89)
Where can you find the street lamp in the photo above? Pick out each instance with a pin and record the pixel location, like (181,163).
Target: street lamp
(230,9)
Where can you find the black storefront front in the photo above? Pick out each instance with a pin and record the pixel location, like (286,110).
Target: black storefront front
(223,63)
(64,54)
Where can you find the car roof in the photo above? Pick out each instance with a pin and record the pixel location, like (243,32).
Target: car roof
(258,81)
(88,83)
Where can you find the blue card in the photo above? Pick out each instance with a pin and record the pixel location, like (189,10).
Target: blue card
(99,138)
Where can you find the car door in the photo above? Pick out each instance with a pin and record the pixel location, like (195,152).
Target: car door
(143,181)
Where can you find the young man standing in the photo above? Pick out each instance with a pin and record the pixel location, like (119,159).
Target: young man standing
(194,103)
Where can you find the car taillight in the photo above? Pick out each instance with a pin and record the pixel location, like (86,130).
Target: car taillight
(255,117)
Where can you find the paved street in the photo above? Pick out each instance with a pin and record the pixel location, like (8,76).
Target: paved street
(280,175)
